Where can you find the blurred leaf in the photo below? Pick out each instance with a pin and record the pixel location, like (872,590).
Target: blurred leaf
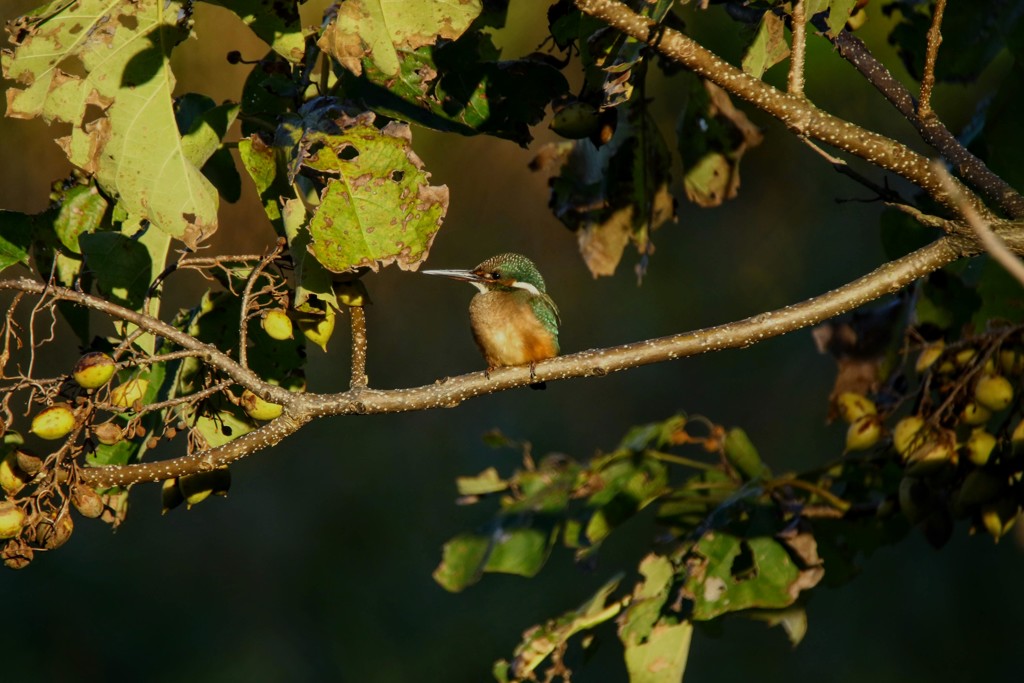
(540,641)
(487,481)
(945,302)
(653,435)
(15,238)
(377,207)
(981,29)
(1001,295)
(616,193)
(376,32)
(741,454)
(462,562)
(793,621)
(1002,136)
(463,87)
(656,646)
(123,128)
(727,574)
(769,46)
(713,136)
(276,22)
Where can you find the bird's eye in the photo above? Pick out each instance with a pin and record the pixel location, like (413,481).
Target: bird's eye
(495,275)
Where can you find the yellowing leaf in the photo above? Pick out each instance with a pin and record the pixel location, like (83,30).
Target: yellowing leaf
(377,30)
(103,66)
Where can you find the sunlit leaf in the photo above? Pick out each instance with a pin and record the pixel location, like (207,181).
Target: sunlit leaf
(768,47)
(277,22)
(103,66)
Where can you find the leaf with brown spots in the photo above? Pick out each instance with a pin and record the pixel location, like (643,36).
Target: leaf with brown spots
(103,66)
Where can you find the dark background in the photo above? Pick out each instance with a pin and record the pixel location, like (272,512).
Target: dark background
(317,566)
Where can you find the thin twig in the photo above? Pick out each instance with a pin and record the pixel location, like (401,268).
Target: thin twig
(798,114)
(992,243)
(924,104)
(885,194)
(243,322)
(359,377)
(798,51)
(969,167)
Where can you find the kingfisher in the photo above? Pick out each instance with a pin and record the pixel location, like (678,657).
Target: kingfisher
(513,319)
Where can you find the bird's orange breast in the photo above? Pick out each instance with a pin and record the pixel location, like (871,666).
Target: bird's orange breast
(507,331)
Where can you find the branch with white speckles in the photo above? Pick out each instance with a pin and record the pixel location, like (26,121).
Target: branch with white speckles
(795,112)
(300,409)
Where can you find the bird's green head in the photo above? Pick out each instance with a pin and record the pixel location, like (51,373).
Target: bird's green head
(503,273)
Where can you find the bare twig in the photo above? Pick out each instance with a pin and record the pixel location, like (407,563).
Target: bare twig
(798,52)
(247,304)
(969,167)
(924,104)
(989,239)
(359,377)
(795,112)
(886,194)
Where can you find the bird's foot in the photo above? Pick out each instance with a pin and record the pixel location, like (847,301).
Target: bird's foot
(533,376)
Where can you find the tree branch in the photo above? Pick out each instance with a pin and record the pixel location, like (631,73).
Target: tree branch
(798,52)
(796,113)
(359,378)
(302,408)
(969,167)
(924,105)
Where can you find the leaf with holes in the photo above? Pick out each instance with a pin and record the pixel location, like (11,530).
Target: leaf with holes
(103,66)
(378,206)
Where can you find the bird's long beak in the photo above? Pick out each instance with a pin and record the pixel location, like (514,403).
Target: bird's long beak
(463,275)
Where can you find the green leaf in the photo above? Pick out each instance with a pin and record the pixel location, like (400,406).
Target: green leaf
(1002,298)
(378,207)
(769,46)
(946,302)
(741,454)
(376,31)
(654,435)
(115,89)
(260,162)
(662,657)
(713,136)
(131,449)
(123,266)
(81,212)
(462,562)
(276,22)
(838,14)
(729,573)
(15,237)
(486,482)
(539,642)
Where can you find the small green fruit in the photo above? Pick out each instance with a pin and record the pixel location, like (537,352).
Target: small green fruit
(277,324)
(929,354)
(930,457)
(979,446)
(993,392)
(854,406)
(55,422)
(907,436)
(998,517)
(195,488)
(575,121)
(12,519)
(974,414)
(93,370)
(1011,361)
(259,409)
(320,328)
(170,495)
(863,433)
(12,478)
(127,394)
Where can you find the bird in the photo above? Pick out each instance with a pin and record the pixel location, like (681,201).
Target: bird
(513,319)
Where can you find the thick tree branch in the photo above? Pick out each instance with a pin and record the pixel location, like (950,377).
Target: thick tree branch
(301,408)
(797,113)
(969,167)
